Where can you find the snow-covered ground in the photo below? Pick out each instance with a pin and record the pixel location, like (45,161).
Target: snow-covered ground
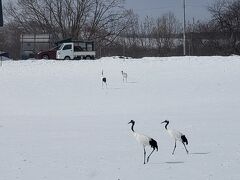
(58,123)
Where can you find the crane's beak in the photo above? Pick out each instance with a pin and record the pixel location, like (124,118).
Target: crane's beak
(163,122)
(130,122)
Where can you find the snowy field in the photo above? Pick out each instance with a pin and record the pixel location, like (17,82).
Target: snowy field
(58,123)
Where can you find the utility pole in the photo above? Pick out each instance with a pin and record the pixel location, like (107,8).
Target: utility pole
(1,23)
(184,27)
(1,14)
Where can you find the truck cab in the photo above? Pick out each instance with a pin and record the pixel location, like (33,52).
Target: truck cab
(76,50)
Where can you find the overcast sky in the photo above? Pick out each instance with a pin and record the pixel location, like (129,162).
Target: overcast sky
(196,9)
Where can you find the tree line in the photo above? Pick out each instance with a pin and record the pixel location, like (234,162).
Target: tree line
(119,31)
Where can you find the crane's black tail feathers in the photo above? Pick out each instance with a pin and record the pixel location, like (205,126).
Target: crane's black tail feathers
(184,139)
(153,144)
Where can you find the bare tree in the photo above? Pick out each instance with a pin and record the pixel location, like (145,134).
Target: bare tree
(91,19)
(164,32)
(146,32)
(225,16)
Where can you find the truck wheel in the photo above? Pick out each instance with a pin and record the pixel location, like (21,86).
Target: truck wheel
(45,56)
(88,57)
(67,58)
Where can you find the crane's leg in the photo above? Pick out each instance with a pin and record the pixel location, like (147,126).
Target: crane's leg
(174,148)
(150,154)
(185,148)
(144,153)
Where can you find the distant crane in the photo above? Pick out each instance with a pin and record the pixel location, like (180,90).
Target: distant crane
(144,141)
(124,76)
(176,135)
(104,80)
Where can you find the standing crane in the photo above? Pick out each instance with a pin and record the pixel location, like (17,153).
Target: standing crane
(144,141)
(124,76)
(177,136)
(104,80)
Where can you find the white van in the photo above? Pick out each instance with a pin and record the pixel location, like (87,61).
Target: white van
(76,50)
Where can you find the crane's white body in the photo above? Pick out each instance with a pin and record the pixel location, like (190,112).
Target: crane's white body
(141,139)
(144,141)
(176,135)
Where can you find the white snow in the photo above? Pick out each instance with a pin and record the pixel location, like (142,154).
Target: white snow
(57,123)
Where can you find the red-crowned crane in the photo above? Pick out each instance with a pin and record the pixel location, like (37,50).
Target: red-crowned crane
(124,75)
(177,136)
(104,80)
(144,141)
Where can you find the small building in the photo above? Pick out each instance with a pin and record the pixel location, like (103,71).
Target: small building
(31,44)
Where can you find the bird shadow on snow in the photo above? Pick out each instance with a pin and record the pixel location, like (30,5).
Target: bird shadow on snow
(116,88)
(200,153)
(112,88)
(174,162)
(131,82)
(171,162)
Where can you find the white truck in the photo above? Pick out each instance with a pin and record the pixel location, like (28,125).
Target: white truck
(76,50)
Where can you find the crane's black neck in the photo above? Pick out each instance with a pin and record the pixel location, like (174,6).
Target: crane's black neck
(166,125)
(132,127)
